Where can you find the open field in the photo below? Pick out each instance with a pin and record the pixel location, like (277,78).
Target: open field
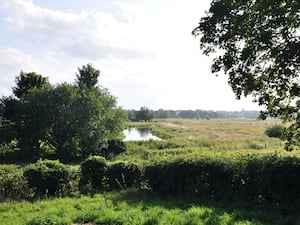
(227,139)
(198,138)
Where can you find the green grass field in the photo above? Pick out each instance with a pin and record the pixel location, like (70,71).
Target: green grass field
(181,139)
(131,207)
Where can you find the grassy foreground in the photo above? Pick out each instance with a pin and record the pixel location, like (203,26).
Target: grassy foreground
(131,207)
(181,139)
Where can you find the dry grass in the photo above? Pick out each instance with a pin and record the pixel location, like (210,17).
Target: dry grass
(222,129)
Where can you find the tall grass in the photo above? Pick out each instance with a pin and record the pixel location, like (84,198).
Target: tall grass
(184,138)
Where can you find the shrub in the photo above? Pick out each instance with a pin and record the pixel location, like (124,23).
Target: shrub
(13,184)
(115,147)
(92,172)
(275,131)
(47,177)
(123,175)
(271,178)
(204,177)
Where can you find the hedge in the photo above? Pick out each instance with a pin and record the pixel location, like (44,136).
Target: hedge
(123,175)
(13,184)
(97,173)
(92,171)
(262,178)
(271,178)
(47,177)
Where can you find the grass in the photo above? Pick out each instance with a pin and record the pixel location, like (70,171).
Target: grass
(182,139)
(138,207)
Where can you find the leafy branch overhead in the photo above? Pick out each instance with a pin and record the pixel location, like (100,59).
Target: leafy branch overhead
(257,44)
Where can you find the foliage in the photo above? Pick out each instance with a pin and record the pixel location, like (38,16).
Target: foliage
(123,175)
(270,178)
(28,81)
(13,184)
(275,131)
(258,46)
(67,120)
(46,220)
(144,114)
(114,147)
(47,177)
(92,172)
(87,77)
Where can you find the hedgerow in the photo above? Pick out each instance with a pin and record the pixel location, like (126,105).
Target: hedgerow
(123,175)
(13,184)
(271,178)
(47,177)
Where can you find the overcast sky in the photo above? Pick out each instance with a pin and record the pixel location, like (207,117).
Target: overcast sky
(144,49)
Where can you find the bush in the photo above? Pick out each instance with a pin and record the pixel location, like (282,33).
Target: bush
(123,175)
(271,178)
(115,147)
(92,172)
(47,177)
(275,131)
(13,184)
(204,177)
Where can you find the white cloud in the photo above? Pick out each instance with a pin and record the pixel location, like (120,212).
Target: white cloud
(88,34)
(12,61)
(145,51)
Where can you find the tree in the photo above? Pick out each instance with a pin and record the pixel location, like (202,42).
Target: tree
(87,77)
(64,119)
(144,114)
(27,81)
(258,46)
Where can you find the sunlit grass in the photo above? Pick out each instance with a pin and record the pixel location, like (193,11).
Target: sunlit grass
(191,138)
(136,207)
(216,138)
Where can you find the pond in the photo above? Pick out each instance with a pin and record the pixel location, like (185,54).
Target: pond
(139,134)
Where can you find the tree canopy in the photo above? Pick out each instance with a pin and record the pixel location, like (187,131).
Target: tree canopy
(67,120)
(257,44)
(87,77)
(27,81)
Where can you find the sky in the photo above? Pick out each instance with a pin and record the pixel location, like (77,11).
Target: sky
(144,50)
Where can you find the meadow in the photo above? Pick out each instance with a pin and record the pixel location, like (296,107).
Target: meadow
(217,142)
(184,138)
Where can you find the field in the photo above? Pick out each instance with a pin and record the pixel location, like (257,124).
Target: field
(198,138)
(182,140)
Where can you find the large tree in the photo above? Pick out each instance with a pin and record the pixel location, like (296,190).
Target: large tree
(257,44)
(68,119)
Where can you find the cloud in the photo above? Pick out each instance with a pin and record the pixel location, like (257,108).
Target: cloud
(87,34)
(12,61)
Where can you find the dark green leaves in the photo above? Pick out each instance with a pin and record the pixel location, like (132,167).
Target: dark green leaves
(258,45)
(87,77)
(65,121)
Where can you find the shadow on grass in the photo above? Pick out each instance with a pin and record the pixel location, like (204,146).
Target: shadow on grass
(225,211)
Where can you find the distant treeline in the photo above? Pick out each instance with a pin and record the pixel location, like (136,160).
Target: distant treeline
(147,114)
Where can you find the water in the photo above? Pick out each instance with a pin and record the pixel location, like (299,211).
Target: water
(139,134)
